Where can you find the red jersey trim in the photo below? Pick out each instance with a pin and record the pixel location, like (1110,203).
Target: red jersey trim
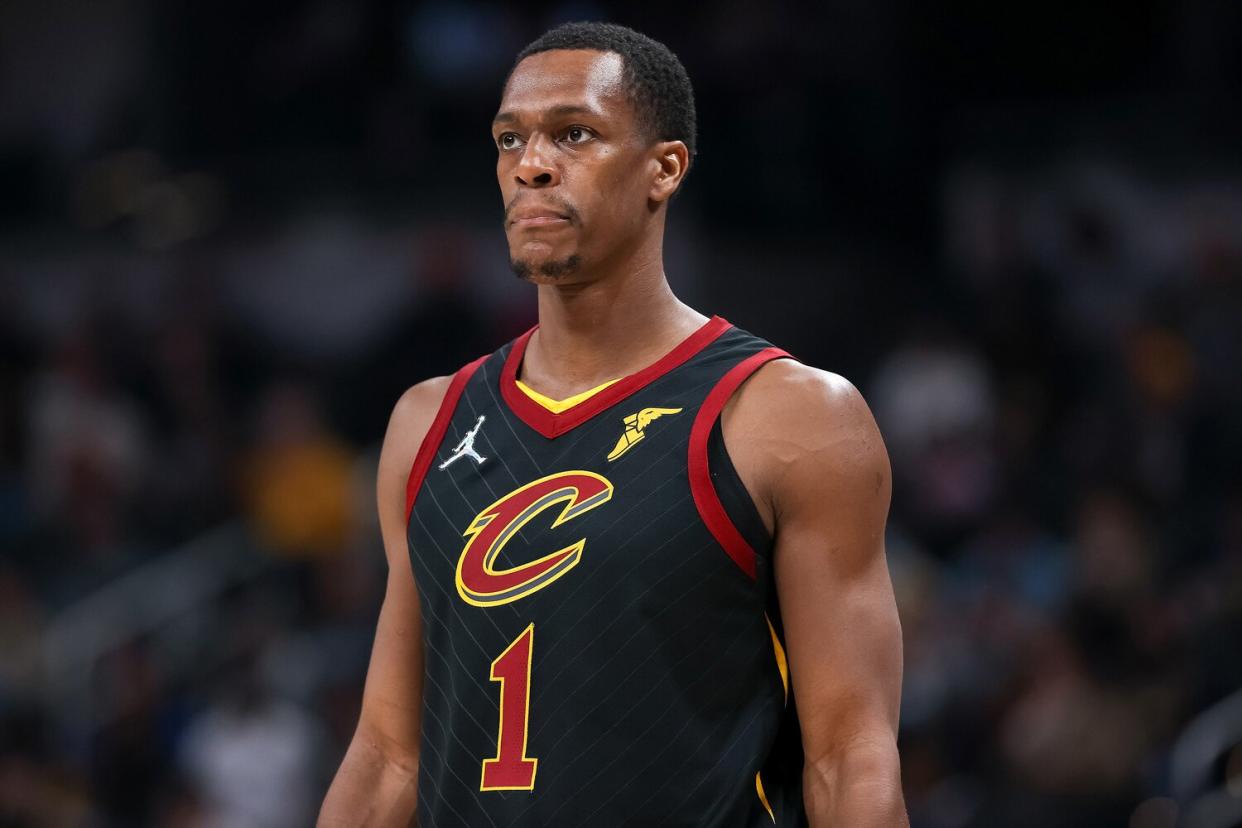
(431,441)
(706,500)
(552,425)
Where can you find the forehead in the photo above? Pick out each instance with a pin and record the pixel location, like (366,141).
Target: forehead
(565,77)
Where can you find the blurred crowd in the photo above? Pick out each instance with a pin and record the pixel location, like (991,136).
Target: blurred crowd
(233,235)
(1067,539)
(130,441)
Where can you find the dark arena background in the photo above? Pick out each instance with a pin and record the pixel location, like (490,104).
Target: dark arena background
(231,233)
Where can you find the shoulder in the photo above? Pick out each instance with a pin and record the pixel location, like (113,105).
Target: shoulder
(779,382)
(798,402)
(411,419)
(413,416)
(801,433)
(417,407)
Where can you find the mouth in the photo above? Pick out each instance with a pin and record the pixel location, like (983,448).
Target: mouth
(537,216)
(534,222)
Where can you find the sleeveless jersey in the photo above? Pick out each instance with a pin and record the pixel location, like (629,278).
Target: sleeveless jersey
(601,635)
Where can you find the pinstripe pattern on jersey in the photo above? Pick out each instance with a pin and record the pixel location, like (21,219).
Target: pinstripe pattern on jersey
(654,698)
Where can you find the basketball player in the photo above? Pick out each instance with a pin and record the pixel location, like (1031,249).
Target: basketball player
(636,555)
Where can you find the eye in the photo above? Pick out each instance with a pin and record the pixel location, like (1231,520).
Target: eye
(578,135)
(508,140)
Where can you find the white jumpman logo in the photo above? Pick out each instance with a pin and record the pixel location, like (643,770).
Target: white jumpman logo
(466,447)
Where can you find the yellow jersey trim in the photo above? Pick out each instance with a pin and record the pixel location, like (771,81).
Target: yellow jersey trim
(557,406)
(764,797)
(781,663)
(783,666)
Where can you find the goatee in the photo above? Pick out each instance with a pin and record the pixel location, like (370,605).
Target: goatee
(552,270)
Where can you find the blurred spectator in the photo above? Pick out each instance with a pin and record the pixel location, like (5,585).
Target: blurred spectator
(87,446)
(935,405)
(254,759)
(297,477)
(441,327)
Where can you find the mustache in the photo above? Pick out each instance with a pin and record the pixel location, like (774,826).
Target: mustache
(557,204)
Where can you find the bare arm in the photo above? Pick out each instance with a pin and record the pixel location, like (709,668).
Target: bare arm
(817,460)
(376,784)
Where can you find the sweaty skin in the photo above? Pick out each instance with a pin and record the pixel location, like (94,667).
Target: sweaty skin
(802,440)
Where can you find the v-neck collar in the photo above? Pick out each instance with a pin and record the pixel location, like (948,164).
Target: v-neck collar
(551,424)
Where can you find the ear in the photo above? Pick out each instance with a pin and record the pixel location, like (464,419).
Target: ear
(672,162)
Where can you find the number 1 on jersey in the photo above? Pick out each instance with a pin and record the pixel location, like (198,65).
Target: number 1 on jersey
(511,769)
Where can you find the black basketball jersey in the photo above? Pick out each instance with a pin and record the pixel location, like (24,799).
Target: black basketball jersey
(601,634)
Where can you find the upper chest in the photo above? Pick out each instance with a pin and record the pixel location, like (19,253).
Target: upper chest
(626,467)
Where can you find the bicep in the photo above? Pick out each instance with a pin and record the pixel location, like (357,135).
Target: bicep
(843,636)
(392,696)
(843,641)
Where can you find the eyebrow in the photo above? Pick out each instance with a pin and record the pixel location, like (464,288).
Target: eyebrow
(558,111)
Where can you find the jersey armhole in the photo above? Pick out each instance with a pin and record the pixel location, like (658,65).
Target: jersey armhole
(431,440)
(702,488)
(734,496)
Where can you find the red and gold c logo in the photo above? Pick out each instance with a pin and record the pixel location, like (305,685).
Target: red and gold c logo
(478,583)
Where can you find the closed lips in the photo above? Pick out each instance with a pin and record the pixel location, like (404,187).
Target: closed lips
(536,216)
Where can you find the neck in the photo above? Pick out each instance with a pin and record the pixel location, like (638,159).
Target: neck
(622,319)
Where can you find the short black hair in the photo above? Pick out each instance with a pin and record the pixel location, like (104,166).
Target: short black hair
(655,80)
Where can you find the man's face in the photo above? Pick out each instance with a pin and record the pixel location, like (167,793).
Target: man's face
(572,164)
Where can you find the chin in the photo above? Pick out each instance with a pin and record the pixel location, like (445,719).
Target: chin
(546,269)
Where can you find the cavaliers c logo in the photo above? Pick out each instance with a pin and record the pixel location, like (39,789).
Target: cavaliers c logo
(478,583)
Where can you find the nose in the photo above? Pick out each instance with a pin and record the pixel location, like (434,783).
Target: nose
(535,167)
